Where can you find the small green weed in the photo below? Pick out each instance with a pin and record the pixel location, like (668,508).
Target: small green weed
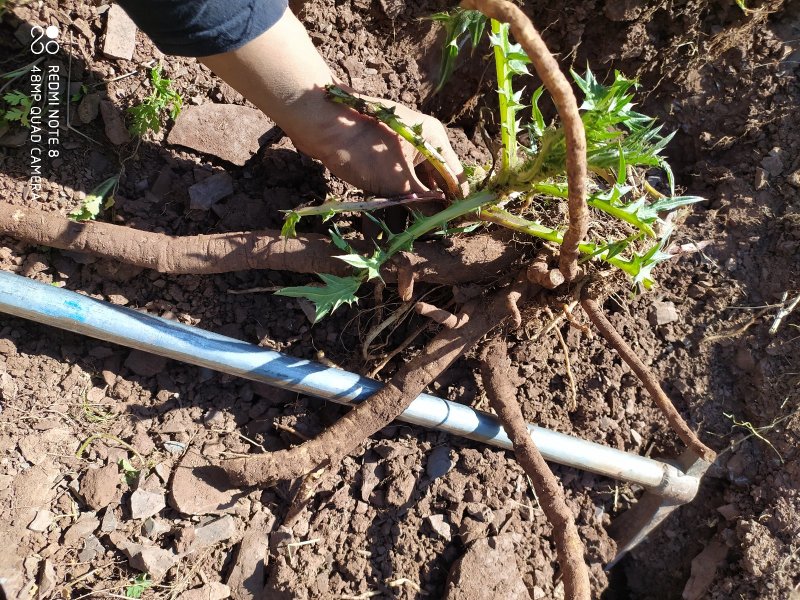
(147,115)
(138,585)
(17,108)
(93,203)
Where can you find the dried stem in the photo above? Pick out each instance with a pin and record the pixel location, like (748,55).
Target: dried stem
(647,377)
(499,381)
(564,99)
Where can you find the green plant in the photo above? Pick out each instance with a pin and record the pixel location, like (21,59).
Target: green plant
(147,115)
(138,586)
(528,180)
(18,108)
(93,203)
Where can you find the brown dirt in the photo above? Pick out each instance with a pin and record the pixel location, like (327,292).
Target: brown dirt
(725,80)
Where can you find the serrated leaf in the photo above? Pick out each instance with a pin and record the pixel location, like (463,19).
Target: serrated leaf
(372,265)
(338,240)
(328,297)
(93,204)
(537,125)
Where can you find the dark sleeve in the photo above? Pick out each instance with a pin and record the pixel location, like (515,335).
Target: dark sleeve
(203,27)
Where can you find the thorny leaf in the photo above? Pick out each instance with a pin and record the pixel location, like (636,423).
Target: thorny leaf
(328,297)
(372,265)
(456,24)
(289,224)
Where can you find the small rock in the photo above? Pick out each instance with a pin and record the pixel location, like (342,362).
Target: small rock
(704,570)
(439,462)
(203,195)
(109,522)
(663,313)
(152,528)
(199,488)
(214,532)
(47,579)
(794,178)
(91,548)
(488,569)
(729,511)
(89,108)
(636,437)
(114,124)
(120,39)
(99,486)
(772,163)
(42,520)
(213,591)
(146,504)
(87,523)
(14,138)
(174,447)
(228,131)
(440,527)
(249,566)
(145,364)
(152,560)
(761,179)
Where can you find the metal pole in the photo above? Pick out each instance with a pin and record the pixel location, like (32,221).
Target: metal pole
(68,310)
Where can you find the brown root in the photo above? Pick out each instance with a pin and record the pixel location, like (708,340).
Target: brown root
(499,381)
(612,336)
(465,261)
(440,315)
(540,274)
(556,83)
(382,407)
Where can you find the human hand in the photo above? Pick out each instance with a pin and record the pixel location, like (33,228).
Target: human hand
(283,74)
(368,155)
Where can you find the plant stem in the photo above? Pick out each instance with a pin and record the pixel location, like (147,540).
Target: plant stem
(498,215)
(504,94)
(455,210)
(335,206)
(413,136)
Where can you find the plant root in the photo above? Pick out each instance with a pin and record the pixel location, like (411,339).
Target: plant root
(564,99)
(615,340)
(440,315)
(466,260)
(499,381)
(541,274)
(381,408)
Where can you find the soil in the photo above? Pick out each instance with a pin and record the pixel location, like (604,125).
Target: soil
(395,517)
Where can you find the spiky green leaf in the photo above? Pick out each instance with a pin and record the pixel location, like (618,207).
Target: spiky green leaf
(326,298)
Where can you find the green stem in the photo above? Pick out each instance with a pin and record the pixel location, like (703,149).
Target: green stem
(498,215)
(515,223)
(421,227)
(504,93)
(619,213)
(336,206)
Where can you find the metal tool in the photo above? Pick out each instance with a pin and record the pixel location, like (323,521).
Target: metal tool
(666,484)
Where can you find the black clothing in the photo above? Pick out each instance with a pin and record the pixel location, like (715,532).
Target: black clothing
(203,27)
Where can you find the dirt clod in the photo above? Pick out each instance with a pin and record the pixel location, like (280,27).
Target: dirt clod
(200,488)
(99,486)
(488,569)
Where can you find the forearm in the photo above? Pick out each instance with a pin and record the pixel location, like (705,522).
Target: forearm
(282,73)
